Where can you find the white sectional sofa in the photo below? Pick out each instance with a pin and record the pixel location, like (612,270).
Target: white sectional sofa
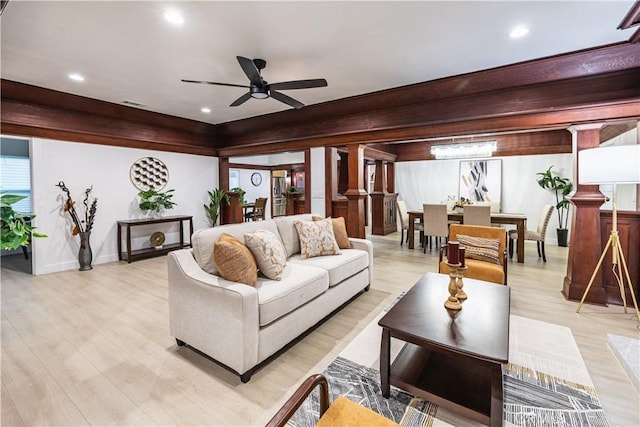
(241,326)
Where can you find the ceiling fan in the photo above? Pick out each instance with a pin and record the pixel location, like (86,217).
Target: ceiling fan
(260,88)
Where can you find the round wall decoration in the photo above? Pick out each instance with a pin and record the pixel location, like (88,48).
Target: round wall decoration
(149,173)
(157,239)
(256,179)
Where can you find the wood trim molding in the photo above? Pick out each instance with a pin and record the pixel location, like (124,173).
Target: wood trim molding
(632,17)
(32,111)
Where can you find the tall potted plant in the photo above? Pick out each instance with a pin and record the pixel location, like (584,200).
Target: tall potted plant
(561,187)
(213,208)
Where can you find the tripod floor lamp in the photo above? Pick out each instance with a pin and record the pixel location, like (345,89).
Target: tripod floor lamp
(611,165)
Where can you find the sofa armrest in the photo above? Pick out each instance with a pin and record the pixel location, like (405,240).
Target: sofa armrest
(365,245)
(216,316)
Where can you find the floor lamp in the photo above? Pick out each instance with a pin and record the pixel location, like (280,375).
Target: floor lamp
(611,165)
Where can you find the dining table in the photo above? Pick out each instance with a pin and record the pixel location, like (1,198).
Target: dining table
(517,219)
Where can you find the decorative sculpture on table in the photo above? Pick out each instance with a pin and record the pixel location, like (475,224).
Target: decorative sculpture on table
(81,227)
(455,261)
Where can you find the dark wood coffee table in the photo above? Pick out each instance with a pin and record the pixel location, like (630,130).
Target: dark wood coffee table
(452,361)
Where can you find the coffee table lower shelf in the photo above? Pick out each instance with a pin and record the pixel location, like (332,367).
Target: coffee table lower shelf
(447,381)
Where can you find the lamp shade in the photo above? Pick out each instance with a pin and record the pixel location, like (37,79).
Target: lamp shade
(608,165)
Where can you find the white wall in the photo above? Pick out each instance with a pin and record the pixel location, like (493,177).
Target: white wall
(433,181)
(106,168)
(318,197)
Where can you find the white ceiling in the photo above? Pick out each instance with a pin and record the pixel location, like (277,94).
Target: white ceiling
(127,51)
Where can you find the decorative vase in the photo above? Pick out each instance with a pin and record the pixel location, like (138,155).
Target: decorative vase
(85,256)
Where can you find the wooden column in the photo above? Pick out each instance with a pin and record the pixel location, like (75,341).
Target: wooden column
(391,178)
(343,172)
(307,181)
(586,236)
(223,173)
(356,193)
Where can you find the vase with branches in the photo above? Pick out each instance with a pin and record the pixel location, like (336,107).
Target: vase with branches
(82,225)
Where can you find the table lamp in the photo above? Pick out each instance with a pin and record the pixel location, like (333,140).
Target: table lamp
(611,165)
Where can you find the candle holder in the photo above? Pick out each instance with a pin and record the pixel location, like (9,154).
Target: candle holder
(453,303)
(461,295)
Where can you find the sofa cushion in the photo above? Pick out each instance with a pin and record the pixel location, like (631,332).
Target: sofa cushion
(299,284)
(339,231)
(234,260)
(480,248)
(288,232)
(203,240)
(340,267)
(268,251)
(316,238)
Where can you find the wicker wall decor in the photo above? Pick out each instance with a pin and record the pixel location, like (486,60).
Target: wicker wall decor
(149,173)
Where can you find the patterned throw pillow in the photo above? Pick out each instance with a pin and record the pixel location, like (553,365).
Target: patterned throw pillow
(316,238)
(234,261)
(480,248)
(339,231)
(268,251)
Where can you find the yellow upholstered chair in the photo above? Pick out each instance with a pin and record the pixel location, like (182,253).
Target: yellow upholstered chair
(485,250)
(342,412)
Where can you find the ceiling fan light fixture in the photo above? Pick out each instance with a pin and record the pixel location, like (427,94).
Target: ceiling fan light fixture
(461,151)
(259,92)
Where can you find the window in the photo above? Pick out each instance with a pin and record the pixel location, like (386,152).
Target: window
(15,179)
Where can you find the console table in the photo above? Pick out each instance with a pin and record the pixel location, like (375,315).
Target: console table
(132,255)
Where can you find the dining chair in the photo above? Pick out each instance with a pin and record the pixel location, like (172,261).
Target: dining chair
(477,215)
(435,221)
(258,210)
(403,215)
(538,236)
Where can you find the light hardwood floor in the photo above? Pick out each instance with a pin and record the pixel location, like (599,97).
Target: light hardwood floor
(93,348)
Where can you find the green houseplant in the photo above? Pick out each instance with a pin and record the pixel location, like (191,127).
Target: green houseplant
(561,187)
(213,208)
(155,202)
(241,194)
(16,227)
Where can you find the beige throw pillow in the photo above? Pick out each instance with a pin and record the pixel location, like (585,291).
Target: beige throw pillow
(234,260)
(268,252)
(316,238)
(339,231)
(480,248)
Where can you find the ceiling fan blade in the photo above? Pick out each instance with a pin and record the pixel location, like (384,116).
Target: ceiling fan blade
(250,70)
(286,99)
(244,98)
(299,84)
(214,83)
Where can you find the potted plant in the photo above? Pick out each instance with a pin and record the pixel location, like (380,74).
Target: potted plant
(240,192)
(561,187)
(213,208)
(16,226)
(154,202)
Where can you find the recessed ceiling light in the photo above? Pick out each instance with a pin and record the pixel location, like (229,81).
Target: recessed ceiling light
(173,16)
(519,31)
(77,77)
(205,110)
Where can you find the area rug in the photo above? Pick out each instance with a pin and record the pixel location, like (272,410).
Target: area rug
(546,382)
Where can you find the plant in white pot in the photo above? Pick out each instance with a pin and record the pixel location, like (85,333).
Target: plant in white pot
(561,187)
(155,202)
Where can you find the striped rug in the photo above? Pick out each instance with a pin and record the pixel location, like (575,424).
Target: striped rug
(545,382)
